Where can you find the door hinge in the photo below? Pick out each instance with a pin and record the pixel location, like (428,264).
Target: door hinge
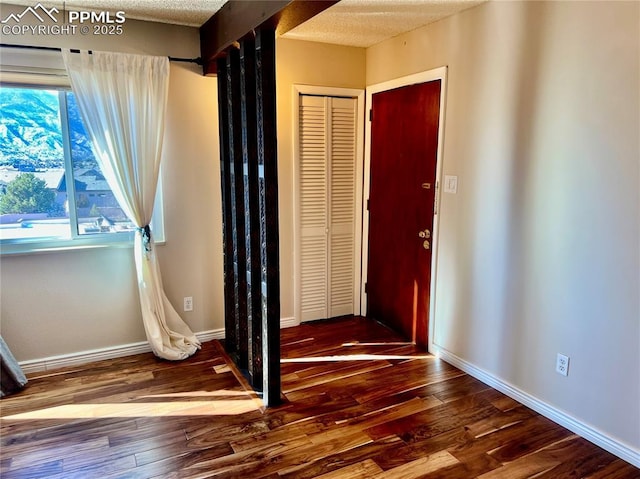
(366,288)
(371,114)
(367,205)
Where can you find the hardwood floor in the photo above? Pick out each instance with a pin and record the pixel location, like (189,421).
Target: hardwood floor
(359,404)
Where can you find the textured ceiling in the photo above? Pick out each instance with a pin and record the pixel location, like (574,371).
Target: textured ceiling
(192,13)
(360,23)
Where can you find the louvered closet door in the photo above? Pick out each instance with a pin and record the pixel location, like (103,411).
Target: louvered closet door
(327,206)
(342,161)
(313,208)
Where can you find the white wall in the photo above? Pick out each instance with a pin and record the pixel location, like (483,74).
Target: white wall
(539,250)
(67,302)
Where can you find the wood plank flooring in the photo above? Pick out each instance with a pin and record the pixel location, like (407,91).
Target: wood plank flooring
(359,403)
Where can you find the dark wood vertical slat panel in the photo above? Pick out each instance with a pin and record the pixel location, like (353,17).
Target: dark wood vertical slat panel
(231,337)
(237,205)
(269,225)
(250,202)
(252,208)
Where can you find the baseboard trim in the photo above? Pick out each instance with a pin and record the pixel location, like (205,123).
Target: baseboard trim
(205,336)
(84,357)
(623,451)
(289,322)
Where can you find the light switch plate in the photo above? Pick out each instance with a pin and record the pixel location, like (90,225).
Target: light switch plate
(450,184)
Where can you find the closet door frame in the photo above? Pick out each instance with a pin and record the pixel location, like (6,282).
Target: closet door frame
(359,95)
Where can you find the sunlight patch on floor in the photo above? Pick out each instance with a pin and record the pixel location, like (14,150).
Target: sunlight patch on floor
(189,394)
(353,357)
(212,407)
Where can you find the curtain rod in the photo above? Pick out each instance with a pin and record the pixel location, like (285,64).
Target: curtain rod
(197,61)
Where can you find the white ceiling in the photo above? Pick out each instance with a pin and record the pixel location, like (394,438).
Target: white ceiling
(360,23)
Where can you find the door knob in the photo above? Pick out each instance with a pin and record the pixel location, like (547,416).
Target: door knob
(426,244)
(425,234)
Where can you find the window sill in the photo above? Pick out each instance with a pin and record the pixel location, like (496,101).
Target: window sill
(61,246)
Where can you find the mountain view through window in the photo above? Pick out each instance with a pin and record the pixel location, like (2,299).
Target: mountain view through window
(44,194)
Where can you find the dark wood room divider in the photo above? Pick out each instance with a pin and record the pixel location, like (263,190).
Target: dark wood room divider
(248,163)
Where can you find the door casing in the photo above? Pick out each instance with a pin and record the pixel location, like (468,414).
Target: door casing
(422,77)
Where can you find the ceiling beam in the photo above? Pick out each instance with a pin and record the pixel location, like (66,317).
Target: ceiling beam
(237,18)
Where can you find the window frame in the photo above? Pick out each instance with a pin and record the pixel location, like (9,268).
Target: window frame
(75,241)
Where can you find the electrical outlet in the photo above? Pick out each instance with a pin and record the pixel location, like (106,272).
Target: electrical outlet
(188,303)
(562,364)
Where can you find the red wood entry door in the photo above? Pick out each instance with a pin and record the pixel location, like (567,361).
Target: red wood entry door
(404,144)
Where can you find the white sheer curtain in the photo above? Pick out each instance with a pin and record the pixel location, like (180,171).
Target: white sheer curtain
(122,100)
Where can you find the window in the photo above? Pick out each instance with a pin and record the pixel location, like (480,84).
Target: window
(52,190)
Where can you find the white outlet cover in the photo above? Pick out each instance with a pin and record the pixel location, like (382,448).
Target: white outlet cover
(188,303)
(562,364)
(450,184)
